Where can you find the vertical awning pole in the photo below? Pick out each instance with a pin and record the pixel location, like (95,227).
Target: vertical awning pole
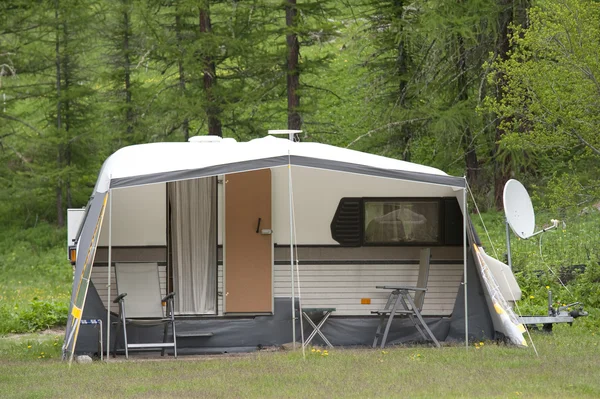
(465,244)
(108,285)
(292,257)
(291,136)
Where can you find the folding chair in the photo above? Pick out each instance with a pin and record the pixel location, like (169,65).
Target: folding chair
(400,302)
(140,303)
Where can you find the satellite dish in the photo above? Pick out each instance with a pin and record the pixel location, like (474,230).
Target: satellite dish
(518,209)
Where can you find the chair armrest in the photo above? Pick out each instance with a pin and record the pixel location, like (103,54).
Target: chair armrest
(120,298)
(400,288)
(169,296)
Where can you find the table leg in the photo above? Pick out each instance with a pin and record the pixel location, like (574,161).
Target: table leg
(101,338)
(323,320)
(314,331)
(317,329)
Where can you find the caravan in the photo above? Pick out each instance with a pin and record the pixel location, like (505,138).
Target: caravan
(247,234)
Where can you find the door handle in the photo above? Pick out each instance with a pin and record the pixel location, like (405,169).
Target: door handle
(258,226)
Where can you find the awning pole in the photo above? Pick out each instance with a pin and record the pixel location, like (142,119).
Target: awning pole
(292,257)
(465,244)
(108,285)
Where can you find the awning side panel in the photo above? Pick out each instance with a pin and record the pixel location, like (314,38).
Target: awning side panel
(85,260)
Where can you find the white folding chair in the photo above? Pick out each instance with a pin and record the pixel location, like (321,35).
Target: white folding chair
(140,303)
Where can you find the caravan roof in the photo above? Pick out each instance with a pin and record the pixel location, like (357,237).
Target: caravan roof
(160,162)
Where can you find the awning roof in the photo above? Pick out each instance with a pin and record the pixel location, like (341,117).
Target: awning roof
(161,162)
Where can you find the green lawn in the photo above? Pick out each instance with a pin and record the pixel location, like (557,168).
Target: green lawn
(568,366)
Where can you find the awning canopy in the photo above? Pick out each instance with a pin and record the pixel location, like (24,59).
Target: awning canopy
(162,162)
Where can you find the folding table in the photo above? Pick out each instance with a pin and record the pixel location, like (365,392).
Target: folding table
(325,312)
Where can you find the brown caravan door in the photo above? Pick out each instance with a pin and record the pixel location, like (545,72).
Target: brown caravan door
(248,253)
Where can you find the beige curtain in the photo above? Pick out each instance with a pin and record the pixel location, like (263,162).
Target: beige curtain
(194,247)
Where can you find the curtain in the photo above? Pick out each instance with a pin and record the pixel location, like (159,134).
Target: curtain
(194,246)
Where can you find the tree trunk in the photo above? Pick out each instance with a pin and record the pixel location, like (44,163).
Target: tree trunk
(402,70)
(67,114)
(293,74)
(185,127)
(213,110)
(127,67)
(471,161)
(59,194)
(501,167)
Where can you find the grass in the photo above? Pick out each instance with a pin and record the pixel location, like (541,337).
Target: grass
(568,366)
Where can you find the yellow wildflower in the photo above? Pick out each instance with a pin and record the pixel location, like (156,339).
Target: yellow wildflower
(313,350)
(547,287)
(28,346)
(318,350)
(481,344)
(531,297)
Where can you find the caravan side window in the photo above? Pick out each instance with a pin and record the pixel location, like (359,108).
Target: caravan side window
(394,221)
(397,221)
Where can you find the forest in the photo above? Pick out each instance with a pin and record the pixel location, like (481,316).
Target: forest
(488,89)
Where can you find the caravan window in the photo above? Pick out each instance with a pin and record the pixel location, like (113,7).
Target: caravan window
(395,221)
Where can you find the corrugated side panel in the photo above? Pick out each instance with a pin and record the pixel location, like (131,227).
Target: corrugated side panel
(100,276)
(343,286)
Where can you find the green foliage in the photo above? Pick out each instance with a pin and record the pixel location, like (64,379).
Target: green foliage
(549,103)
(35,279)
(41,315)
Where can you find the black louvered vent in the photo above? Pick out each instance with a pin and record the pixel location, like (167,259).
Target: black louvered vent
(453,222)
(346,226)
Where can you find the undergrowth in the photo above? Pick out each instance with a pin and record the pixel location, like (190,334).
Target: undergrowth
(569,255)
(35,279)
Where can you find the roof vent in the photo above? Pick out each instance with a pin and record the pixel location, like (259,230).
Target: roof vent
(205,139)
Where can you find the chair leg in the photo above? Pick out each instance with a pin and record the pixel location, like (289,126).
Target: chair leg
(391,299)
(174,338)
(124,323)
(117,331)
(425,326)
(166,330)
(378,331)
(390,320)
(411,316)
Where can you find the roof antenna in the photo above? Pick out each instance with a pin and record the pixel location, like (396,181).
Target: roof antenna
(291,133)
